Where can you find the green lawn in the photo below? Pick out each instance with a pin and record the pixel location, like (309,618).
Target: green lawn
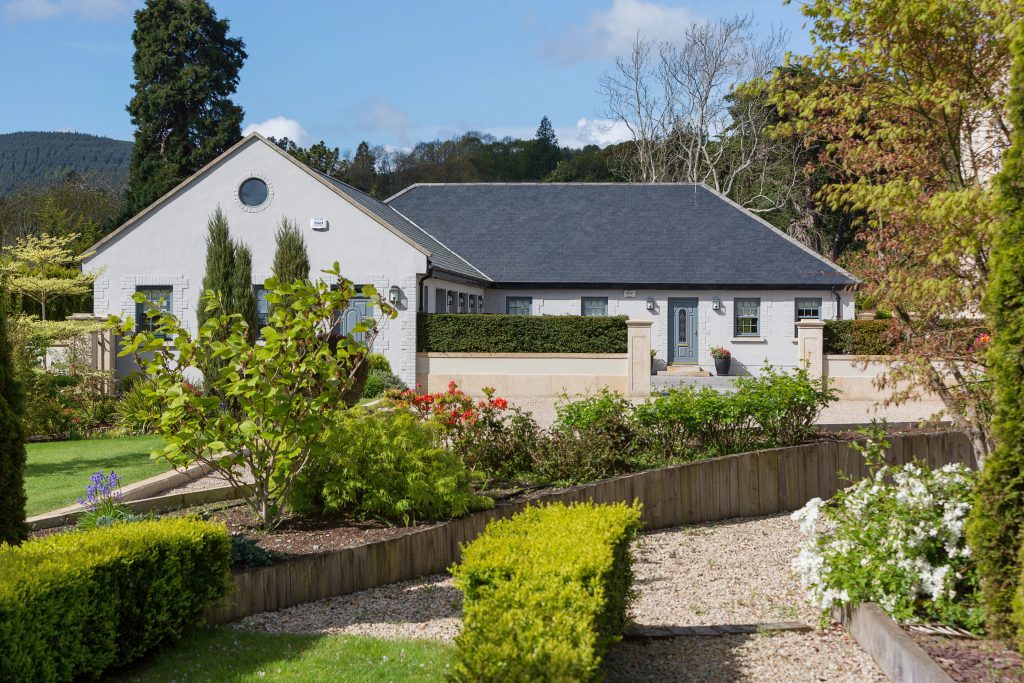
(58,472)
(224,654)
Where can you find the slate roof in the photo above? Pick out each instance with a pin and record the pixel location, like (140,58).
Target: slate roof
(682,235)
(440,256)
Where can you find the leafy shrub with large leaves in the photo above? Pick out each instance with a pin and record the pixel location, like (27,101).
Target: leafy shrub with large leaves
(388,465)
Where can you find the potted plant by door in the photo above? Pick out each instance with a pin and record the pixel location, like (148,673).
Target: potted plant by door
(723,359)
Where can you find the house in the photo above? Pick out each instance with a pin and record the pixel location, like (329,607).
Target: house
(705,271)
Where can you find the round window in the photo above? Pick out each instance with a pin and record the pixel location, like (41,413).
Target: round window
(253,192)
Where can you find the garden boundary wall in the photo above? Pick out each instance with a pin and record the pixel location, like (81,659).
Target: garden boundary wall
(854,377)
(742,485)
(539,375)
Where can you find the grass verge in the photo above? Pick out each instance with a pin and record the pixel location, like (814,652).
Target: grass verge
(225,654)
(57,472)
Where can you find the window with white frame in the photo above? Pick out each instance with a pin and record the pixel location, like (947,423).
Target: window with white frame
(594,306)
(518,305)
(158,296)
(748,318)
(807,308)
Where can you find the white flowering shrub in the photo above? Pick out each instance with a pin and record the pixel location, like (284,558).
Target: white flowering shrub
(895,538)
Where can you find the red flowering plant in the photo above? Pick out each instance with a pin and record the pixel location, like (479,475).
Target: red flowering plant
(487,433)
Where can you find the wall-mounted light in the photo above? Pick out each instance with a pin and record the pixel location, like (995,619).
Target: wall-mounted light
(650,305)
(394,294)
(716,304)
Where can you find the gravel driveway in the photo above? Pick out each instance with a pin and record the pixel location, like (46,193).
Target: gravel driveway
(732,572)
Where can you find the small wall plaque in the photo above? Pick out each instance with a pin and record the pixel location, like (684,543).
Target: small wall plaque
(629,293)
(319,224)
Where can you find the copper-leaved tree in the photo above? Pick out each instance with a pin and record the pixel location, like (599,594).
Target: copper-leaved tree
(905,99)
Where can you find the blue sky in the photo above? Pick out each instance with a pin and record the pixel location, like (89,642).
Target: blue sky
(391,72)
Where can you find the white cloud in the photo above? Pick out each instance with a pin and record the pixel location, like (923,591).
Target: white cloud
(600,132)
(280,127)
(38,10)
(376,115)
(611,32)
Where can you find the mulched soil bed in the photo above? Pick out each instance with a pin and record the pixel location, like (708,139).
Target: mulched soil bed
(970,660)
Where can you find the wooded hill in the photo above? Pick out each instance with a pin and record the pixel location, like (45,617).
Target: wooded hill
(43,159)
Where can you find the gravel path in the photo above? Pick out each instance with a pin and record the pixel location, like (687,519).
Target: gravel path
(732,572)
(429,608)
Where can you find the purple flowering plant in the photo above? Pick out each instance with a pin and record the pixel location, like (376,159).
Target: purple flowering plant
(103,491)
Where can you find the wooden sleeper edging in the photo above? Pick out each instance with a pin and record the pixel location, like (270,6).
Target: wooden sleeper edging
(895,653)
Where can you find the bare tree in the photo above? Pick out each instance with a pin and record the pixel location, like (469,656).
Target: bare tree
(691,123)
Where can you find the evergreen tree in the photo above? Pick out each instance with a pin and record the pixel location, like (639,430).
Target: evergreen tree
(544,150)
(13,529)
(363,170)
(997,519)
(291,260)
(243,297)
(186,69)
(220,262)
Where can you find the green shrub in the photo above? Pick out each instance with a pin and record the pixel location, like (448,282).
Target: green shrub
(457,333)
(379,382)
(134,411)
(545,593)
(770,410)
(895,538)
(378,361)
(387,465)
(859,337)
(245,552)
(593,438)
(12,442)
(997,520)
(74,605)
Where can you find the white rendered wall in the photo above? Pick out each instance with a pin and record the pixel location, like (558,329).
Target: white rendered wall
(433,284)
(776,346)
(167,247)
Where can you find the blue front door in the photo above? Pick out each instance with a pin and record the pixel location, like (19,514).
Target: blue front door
(682,331)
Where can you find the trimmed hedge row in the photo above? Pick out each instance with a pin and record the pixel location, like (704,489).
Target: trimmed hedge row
(469,333)
(545,593)
(76,604)
(858,337)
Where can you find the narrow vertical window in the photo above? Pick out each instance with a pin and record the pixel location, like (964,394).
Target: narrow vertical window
(472,303)
(262,308)
(748,317)
(421,305)
(462,302)
(440,297)
(594,306)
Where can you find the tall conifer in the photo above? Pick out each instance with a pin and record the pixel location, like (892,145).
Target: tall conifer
(13,529)
(186,70)
(291,260)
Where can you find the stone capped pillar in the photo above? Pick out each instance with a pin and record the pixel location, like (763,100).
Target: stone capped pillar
(810,346)
(638,364)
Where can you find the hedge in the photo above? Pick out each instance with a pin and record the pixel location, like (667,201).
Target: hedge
(997,519)
(73,605)
(469,333)
(858,337)
(545,593)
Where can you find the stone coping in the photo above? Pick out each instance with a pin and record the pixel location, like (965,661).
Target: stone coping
(895,653)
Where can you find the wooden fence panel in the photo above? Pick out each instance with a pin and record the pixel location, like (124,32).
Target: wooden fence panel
(747,484)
